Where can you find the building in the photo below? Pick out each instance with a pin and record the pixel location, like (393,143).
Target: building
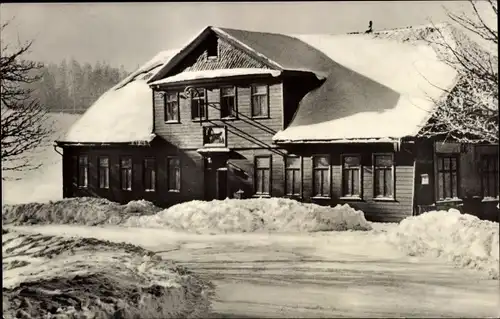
(320,118)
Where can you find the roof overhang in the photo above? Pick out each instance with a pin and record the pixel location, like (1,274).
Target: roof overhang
(99,144)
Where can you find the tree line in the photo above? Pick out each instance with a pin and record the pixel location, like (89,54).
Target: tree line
(72,87)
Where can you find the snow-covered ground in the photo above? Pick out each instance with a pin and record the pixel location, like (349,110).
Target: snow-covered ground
(49,277)
(326,274)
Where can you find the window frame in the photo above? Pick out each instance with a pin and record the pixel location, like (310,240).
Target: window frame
(314,169)
(252,93)
(301,174)
(99,173)
(235,96)
(360,178)
(78,165)
(165,104)
(270,169)
(393,177)
(489,174)
(144,172)
(205,102)
(131,173)
(438,184)
(168,159)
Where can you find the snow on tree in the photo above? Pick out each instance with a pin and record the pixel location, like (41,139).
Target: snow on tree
(469,114)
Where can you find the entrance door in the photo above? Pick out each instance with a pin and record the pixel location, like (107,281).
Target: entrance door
(215,180)
(222,183)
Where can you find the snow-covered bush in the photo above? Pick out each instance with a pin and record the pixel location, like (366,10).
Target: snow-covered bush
(461,238)
(80,210)
(253,215)
(54,277)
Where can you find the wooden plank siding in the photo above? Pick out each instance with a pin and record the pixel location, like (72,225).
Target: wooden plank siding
(243,132)
(191,169)
(229,57)
(375,209)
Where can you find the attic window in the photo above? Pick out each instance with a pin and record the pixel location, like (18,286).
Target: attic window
(212,49)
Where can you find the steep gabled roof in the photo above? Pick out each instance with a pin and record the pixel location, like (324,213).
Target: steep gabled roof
(124,114)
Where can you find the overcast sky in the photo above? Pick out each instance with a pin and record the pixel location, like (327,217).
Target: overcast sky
(130,33)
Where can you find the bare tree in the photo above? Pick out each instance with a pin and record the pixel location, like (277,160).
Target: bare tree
(469,114)
(23,119)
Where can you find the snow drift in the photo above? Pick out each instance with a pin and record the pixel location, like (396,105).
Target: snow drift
(460,238)
(218,216)
(253,215)
(80,210)
(52,277)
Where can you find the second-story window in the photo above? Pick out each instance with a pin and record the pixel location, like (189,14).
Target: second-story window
(228,107)
(199,109)
(260,98)
(171,107)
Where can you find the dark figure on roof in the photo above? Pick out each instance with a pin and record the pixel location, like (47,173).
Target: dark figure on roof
(370,30)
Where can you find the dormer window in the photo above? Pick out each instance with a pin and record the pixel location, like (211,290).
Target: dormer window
(212,50)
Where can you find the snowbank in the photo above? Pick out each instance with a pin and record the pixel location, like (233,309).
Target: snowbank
(83,211)
(49,277)
(461,238)
(253,215)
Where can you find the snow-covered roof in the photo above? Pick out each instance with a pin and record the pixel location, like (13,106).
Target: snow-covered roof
(124,114)
(377,90)
(218,73)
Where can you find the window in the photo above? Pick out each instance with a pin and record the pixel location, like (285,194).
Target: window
(447,176)
(126,173)
(149,175)
(174,174)
(83,171)
(489,175)
(228,102)
(199,109)
(263,175)
(172,107)
(383,171)
(351,176)
(293,176)
(260,105)
(212,49)
(104,172)
(321,176)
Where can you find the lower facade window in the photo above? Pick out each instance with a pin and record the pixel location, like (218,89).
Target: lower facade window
(174,174)
(149,175)
(321,176)
(126,173)
(104,172)
(383,179)
(351,176)
(489,175)
(263,175)
(83,171)
(293,176)
(447,178)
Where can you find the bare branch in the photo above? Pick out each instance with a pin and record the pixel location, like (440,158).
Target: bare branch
(23,119)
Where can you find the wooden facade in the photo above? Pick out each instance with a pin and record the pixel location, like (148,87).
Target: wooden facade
(388,182)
